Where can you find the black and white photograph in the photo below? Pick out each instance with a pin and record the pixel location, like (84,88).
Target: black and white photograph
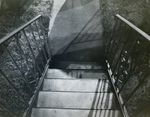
(74,58)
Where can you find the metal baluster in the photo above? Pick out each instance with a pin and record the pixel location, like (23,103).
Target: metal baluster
(20,48)
(31,50)
(13,87)
(113,43)
(123,48)
(111,38)
(23,76)
(41,41)
(21,66)
(137,63)
(122,32)
(126,60)
(46,39)
(34,38)
(130,53)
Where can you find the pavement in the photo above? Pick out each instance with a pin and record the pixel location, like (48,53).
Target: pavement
(68,19)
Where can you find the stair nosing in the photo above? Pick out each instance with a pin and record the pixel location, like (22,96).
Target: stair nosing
(63,78)
(71,79)
(71,108)
(44,91)
(75,91)
(81,69)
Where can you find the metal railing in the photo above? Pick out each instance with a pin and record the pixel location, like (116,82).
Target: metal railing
(128,61)
(24,58)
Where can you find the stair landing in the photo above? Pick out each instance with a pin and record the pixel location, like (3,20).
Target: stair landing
(66,94)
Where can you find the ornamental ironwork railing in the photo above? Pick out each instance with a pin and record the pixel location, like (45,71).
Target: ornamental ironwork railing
(128,61)
(24,58)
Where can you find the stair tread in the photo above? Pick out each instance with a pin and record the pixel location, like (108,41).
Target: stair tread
(76,100)
(60,73)
(47,112)
(80,85)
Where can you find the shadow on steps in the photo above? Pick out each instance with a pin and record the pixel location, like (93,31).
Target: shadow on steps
(95,54)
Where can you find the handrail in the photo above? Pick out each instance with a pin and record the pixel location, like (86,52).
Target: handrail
(25,56)
(18,29)
(134,27)
(127,58)
(115,91)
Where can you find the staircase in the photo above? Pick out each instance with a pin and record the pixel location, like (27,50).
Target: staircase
(76,89)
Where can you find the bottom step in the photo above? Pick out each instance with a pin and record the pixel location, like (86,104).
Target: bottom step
(43,112)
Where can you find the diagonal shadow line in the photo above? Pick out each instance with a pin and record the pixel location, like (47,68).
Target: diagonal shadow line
(107,99)
(101,93)
(93,25)
(94,100)
(95,34)
(91,113)
(89,35)
(101,101)
(87,41)
(81,31)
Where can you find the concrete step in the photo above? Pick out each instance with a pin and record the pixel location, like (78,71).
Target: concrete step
(76,100)
(60,73)
(76,65)
(77,85)
(49,112)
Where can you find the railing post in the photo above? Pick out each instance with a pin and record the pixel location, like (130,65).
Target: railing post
(38,47)
(46,58)
(122,50)
(111,38)
(21,50)
(23,76)
(122,32)
(31,50)
(46,39)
